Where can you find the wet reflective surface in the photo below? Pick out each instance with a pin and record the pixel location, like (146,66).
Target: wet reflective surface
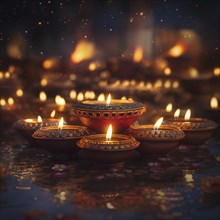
(38,185)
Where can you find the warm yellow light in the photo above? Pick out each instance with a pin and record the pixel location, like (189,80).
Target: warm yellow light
(167,71)
(7,75)
(73,94)
(141,84)
(2,102)
(10,101)
(189,178)
(158,123)
(176,51)
(39,119)
(158,84)
(109,133)
(193,72)
(53,113)
(187,115)
(149,85)
(49,63)
(92,66)
(132,82)
(169,107)
(92,95)
(80,97)
(29,120)
(60,101)
(1,75)
(138,54)
(42,96)
(177,113)
(125,83)
(43,82)
(167,84)
(216,71)
(123,98)
(60,126)
(101,97)
(84,50)
(108,101)
(19,92)
(175,84)
(214,102)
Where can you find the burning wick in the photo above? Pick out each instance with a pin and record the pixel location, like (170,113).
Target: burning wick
(60,125)
(214,102)
(108,101)
(109,133)
(158,123)
(177,113)
(52,114)
(39,119)
(187,115)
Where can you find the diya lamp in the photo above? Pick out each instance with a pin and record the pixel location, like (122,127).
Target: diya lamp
(97,115)
(26,127)
(59,138)
(197,130)
(213,112)
(107,149)
(157,138)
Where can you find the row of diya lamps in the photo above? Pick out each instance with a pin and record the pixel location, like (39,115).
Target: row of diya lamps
(118,116)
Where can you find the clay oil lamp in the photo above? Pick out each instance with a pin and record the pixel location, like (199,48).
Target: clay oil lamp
(107,149)
(197,130)
(26,127)
(156,139)
(60,139)
(97,115)
(213,112)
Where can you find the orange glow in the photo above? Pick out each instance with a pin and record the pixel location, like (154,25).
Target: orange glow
(39,119)
(138,54)
(177,113)
(101,97)
(42,96)
(52,114)
(176,50)
(158,123)
(49,63)
(167,71)
(92,66)
(80,97)
(84,50)
(187,115)
(216,71)
(169,107)
(10,101)
(60,126)
(109,133)
(73,94)
(60,101)
(214,103)
(108,101)
(2,102)
(7,75)
(43,82)
(19,92)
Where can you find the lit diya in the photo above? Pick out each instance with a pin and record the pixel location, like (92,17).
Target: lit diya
(61,138)
(98,115)
(107,149)
(157,138)
(197,130)
(26,127)
(214,111)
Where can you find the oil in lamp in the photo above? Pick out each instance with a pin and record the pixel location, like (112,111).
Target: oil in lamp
(59,139)
(107,149)
(97,115)
(157,138)
(26,127)
(197,130)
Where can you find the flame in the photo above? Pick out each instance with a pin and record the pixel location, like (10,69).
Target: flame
(214,102)
(108,101)
(39,119)
(2,102)
(84,50)
(73,94)
(158,84)
(149,85)
(158,123)
(43,96)
(169,107)
(92,66)
(11,101)
(177,113)
(52,114)
(80,97)
(101,97)
(123,98)
(167,71)
(109,133)
(60,126)
(126,83)
(49,63)
(19,92)
(175,84)
(193,72)
(176,50)
(216,71)
(43,82)
(187,115)
(167,84)
(60,101)
(138,54)
(7,75)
